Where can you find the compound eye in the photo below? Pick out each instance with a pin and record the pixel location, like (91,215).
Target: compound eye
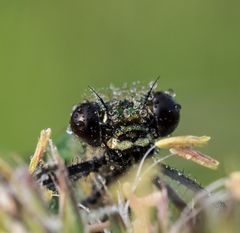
(166,113)
(85,123)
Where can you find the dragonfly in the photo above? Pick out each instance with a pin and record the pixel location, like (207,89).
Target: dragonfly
(125,130)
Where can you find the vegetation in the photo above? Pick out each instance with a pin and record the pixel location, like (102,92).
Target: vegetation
(26,206)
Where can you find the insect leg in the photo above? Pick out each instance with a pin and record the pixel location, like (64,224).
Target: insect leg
(178,176)
(83,169)
(177,201)
(75,171)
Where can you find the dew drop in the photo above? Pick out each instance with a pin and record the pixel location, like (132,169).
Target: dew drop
(179,174)
(143,113)
(126,113)
(171,92)
(151,84)
(69,130)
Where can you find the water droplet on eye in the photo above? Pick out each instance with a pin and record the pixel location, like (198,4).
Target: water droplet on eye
(171,92)
(177,107)
(76,115)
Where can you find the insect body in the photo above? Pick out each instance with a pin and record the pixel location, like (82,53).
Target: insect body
(124,128)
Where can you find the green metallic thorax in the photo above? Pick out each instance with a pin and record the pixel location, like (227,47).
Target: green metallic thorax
(127,119)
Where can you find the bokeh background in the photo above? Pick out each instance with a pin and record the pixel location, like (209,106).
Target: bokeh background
(50,51)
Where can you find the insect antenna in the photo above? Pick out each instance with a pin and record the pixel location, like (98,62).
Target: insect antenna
(150,91)
(100,98)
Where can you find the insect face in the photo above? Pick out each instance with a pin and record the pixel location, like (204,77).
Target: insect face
(126,124)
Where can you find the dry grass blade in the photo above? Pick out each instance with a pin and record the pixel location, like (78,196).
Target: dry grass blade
(182,146)
(68,206)
(40,149)
(5,169)
(195,156)
(142,208)
(182,141)
(23,208)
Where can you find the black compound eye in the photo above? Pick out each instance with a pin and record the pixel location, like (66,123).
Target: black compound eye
(166,113)
(85,123)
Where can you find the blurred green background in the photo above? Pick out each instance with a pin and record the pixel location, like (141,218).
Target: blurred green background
(50,51)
